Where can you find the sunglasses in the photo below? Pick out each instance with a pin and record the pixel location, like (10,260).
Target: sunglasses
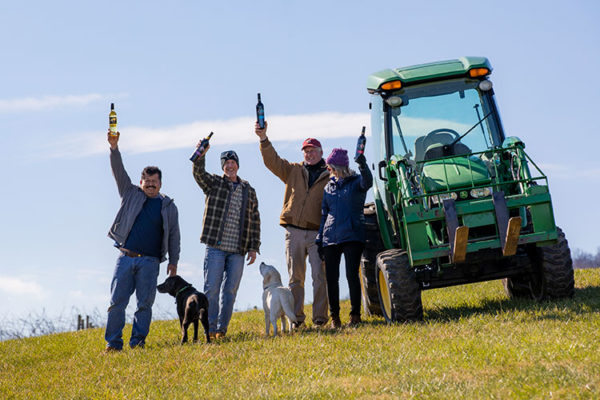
(228,154)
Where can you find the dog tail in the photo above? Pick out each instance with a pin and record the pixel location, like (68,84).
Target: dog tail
(191,312)
(288,306)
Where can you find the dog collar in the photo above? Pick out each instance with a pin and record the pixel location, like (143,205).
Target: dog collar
(182,289)
(272,285)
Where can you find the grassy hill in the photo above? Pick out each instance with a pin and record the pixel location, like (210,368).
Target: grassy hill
(474,343)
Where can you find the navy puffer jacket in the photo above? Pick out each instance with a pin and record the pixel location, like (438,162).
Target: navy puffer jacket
(342,210)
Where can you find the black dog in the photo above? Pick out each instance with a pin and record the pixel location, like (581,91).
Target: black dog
(192,305)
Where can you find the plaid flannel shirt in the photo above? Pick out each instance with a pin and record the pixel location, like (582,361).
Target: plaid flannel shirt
(218,193)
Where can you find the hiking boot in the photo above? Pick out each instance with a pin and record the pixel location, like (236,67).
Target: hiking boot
(110,349)
(354,320)
(336,323)
(220,335)
(320,323)
(297,325)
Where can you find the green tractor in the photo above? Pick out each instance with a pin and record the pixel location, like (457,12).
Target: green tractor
(456,201)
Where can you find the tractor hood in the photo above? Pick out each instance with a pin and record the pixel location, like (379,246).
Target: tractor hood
(454,173)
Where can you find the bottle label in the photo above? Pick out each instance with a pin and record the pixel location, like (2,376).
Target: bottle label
(260,115)
(360,146)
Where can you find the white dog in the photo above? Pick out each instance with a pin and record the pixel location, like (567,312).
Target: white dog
(278,300)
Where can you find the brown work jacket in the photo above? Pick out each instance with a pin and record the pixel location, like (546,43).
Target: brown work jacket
(301,204)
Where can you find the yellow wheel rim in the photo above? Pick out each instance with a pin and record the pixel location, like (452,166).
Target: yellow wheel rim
(362,284)
(385,295)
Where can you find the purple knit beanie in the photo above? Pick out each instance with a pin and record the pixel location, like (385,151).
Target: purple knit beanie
(338,157)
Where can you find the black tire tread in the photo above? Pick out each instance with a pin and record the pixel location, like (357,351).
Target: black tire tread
(557,269)
(368,267)
(404,290)
(517,287)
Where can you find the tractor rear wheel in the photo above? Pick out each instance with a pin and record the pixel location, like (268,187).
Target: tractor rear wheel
(368,269)
(399,291)
(552,276)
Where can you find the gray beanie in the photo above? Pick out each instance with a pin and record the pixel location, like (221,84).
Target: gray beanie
(229,155)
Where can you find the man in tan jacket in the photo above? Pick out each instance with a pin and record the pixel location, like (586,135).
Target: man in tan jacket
(301,217)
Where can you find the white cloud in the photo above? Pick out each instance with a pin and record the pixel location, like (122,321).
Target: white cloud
(325,125)
(136,139)
(49,102)
(17,286)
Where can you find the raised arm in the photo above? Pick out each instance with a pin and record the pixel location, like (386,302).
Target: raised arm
(204,179)
(116,163)
(366,178)
(277,165)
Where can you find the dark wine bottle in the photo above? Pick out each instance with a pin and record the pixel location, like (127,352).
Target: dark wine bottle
(360,145)
(260,113)
(202,148)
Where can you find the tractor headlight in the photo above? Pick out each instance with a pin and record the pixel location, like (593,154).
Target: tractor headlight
(394,101)
(438,198)
(486,85)
(481,192)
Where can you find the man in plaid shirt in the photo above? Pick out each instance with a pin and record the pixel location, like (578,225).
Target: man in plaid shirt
(231,230)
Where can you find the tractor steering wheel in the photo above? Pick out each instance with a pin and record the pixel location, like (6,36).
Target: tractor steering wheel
(441,137)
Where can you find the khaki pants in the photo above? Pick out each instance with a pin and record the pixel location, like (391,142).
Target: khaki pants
(300,243)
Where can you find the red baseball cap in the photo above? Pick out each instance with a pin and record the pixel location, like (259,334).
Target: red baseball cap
(311,142)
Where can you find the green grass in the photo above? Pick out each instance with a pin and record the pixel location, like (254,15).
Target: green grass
(474,344)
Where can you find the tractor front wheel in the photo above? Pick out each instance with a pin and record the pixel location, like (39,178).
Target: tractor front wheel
(399,291)
(519,287)
(552,276)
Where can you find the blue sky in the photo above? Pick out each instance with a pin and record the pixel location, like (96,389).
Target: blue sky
(181,69)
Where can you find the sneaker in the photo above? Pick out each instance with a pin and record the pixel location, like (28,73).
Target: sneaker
(354,320)
(336,323)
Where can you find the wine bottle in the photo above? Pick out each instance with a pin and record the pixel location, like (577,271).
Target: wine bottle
(201,148)
(360,145)
(112,120)
(260,113)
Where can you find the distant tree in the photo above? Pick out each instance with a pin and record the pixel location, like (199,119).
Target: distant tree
(581,259)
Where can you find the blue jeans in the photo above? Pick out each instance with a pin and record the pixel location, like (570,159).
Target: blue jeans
(132,274)
(222,276)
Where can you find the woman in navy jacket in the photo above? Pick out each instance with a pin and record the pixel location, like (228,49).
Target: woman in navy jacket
(342,229)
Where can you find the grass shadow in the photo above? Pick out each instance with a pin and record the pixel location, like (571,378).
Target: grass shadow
(585,300)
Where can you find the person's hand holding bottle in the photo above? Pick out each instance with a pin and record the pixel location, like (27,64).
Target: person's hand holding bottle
(113,140)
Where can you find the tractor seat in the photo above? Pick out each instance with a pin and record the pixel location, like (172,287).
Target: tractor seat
(425,142)
(436,150)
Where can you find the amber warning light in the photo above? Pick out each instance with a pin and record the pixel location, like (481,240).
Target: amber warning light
(477,72)
(391,85)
